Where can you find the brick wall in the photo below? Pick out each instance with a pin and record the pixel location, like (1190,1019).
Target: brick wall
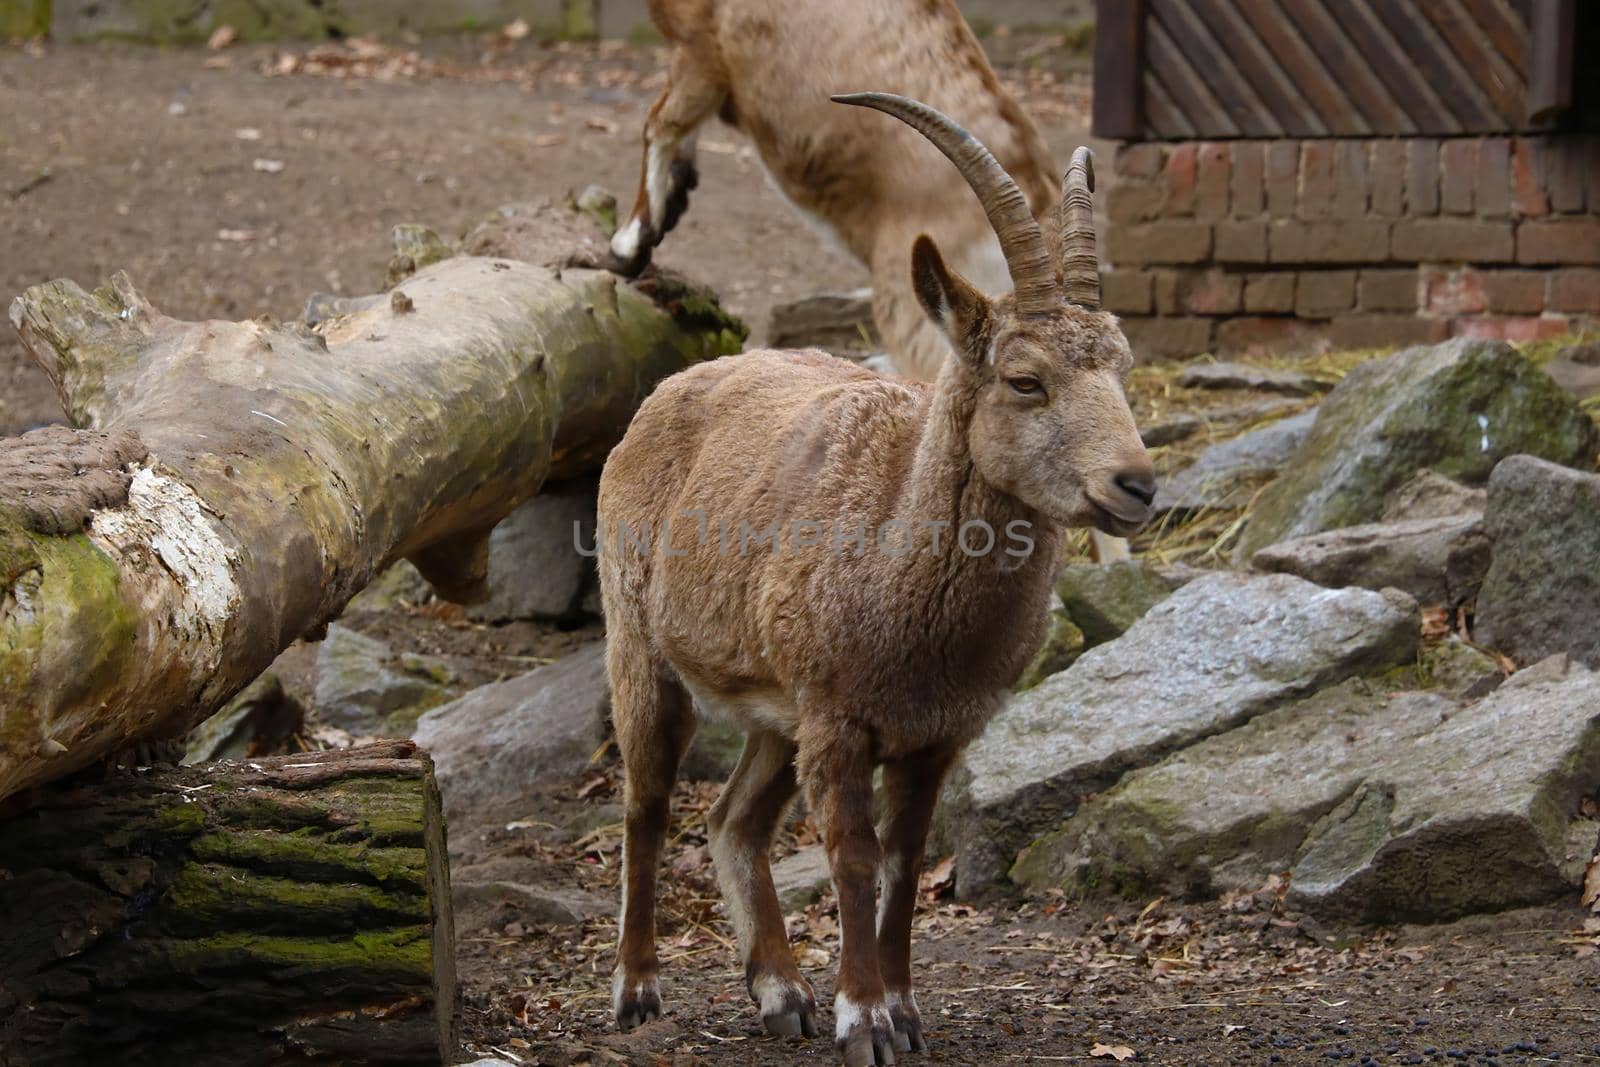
(1282,245)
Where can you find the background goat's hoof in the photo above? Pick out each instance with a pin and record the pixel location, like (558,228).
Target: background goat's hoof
(907,1024)
(788,1007)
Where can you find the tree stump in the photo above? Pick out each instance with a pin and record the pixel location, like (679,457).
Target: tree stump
(293,909)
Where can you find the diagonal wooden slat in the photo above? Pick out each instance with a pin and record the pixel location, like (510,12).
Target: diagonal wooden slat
(1370,94)
(1299,62)
(1289,103)
(1505,28)
(1188,89)
(1220,70)
(1435,65)
(1493,72)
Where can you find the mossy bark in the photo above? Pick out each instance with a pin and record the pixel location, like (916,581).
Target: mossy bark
(286,910)
(283,468)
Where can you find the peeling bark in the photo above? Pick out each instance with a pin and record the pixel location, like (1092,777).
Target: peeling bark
(246,479)
(292,909)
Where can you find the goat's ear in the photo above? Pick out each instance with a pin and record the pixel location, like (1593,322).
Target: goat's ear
(958,307)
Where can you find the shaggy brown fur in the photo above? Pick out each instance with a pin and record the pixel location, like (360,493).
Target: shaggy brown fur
(769,67)
(854,570)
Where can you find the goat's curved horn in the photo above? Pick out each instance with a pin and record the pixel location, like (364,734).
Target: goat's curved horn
(1080,263)
(1027,258)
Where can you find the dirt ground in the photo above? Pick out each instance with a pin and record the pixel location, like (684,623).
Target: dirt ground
(229,193)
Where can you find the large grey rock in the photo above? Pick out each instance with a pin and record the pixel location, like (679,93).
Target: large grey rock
(511,882)
(1259,379)
(826,320)
(1409,805)
(1438,561)
(261,721)
(1104,599)
(364,689)
(1226,475)
(801,878)
(536,568)
(1216,653)
(1457,408)
(1542,593)
(500,741)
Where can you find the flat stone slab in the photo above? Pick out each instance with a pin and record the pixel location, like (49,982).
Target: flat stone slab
(1384,806)
(1219,651)
(1245,376)
(1226,475)
(1438,561)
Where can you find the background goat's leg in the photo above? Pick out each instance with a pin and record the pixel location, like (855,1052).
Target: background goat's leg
(838,778)
(654,722)
(742,822)
(910,790)
(667,173)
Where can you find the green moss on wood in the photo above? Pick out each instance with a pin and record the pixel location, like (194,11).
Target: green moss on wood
(296,855)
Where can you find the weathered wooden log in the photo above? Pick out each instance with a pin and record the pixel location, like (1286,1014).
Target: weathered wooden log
(293,909)
(237,483)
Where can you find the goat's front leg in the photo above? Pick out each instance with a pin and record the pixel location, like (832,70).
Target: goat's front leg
(835,766)
(910,791)
(693,93)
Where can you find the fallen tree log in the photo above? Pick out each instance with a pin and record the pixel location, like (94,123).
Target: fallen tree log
(237,483)
(289,909)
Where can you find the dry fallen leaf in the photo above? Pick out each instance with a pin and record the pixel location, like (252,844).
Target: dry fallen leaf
(222,37)
(1116,1052)
(1591,884)
(269,166)
(516,29)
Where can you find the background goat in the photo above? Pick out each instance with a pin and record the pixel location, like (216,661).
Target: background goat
(787,543)
(768,67)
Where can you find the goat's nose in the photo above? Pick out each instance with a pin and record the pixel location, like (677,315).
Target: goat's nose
(1139,483)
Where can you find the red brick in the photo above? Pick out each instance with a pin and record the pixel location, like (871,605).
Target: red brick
(1527,178)
(1520,328)
(1134,201)
(1211,183)
(1453,292)
(1158,242)
(1248,193)
(1385,331)
(1565,159)
(1458,168)
(1517,292)
(1166,292)
(1183,171)
(1282,177)
(1269,292)
(1212,292)
(1592,168)
(1493,193)
(1388,177)
(1422,177)
(1357,241)
(1451,241)
(1387,290)
(1140,160)
(1164,337)
(1126,292)
(1559,241)
(1350,179)
(1324,293)
(1278,336)
(1316,180)
(1575,289)
(1240,242)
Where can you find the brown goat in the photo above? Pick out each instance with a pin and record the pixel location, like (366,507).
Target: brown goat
(854,570)
(769,66)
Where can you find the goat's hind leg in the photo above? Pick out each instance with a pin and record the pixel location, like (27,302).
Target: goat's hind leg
(694,92)
(742,822)
(654,723)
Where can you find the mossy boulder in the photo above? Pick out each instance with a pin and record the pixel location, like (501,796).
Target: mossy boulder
(1216,653)
(22,19)
(1063,644)
(363,687)
(1104,599)
(1457,408)
(1416,804)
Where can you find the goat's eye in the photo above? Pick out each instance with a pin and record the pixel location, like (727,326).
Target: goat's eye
(1026,386)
